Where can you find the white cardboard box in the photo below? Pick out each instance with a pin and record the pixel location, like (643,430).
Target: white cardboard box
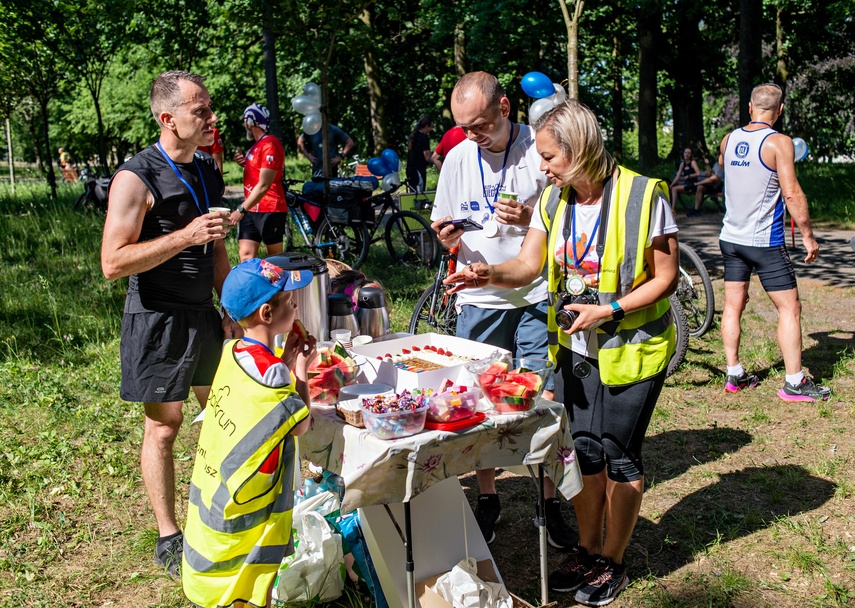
(377,371)
(428,598)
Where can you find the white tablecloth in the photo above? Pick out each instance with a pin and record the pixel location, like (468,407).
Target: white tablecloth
(378,471)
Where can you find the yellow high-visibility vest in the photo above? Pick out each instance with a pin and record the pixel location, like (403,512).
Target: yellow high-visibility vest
(242,490)
(646,338)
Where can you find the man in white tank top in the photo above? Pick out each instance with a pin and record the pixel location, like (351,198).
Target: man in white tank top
(760,181)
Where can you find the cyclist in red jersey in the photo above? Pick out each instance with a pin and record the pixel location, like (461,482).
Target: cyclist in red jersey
(216,149)
(262,216)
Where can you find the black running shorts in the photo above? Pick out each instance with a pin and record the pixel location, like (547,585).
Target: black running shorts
(165,353)
(772,264)
(267,228)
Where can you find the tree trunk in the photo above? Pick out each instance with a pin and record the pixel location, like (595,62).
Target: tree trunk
(750,52)
(649,19)
(47,158)
(376,106)
(617,98)
(459,50)
(271,81)
(102,142)
(781,72)
(572,25)
(10,156)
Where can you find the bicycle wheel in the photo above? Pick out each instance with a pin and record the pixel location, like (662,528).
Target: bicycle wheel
(435,312)
(682,335)
(80,203)
(695,292)
(411,240)
(343,242)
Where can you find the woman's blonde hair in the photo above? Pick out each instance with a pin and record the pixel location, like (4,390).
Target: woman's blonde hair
(576,131)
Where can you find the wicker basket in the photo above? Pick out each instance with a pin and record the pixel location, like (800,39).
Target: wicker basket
(350,417)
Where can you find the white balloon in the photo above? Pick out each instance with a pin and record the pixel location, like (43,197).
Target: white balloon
(305,105)
(539,108)
(313,91)
(801,148)
(391,182)
(560,94)
(312,123)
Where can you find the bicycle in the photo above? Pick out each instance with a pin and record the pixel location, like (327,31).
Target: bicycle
(435,309)
(351,168)
(695,292)
(94,195)
(346,225)
(435,312)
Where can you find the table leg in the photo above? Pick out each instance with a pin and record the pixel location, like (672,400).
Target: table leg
(408,533)
(541,525)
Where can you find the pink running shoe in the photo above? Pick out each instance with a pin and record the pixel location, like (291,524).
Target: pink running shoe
(806,390)
(734,384)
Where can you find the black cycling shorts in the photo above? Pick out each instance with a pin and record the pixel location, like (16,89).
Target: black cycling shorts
(165,353)
(608,423)
(772,264)
(267,228)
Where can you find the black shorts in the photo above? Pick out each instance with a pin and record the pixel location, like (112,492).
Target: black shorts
(689,186)
(772,264)
(267,228)
(165,353)
(608,423)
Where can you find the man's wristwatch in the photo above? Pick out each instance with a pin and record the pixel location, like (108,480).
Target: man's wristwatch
(241,209)
(617,312)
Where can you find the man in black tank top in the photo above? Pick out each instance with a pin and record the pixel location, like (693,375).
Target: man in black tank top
(159,233)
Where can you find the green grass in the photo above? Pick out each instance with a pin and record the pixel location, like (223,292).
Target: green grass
(749,501)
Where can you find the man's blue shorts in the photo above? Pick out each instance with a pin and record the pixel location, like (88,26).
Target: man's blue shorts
(522,331)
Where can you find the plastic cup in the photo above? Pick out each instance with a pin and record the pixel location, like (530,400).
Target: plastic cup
(340,335)
(219,210)
(511,195)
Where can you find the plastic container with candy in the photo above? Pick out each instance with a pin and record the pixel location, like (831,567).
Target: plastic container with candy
(512,385)
(395,416)
(455,403)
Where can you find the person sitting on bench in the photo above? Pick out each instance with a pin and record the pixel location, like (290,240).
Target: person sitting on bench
(709,186)
(684,180)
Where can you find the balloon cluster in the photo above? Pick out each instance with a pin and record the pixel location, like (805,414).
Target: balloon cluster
(801,148)
(386,166)
(547,94)
(309,104)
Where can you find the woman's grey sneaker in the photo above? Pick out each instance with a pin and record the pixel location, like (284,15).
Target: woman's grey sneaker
(168,552)
(806,390)
(487,514)
(573,572)
(605,585)
(734,384)
(558,533)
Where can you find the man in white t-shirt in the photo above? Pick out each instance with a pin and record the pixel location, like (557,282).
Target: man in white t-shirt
(497,157)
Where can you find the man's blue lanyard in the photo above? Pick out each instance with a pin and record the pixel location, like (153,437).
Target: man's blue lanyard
(184,181)
(261,344)
(577,260)
(504,167)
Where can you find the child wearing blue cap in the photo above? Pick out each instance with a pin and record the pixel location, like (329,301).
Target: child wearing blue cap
(242,490)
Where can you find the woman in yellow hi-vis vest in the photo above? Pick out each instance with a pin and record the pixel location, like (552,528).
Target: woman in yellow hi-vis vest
(608,239)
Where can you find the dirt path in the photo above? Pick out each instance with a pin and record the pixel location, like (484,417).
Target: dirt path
(835,266)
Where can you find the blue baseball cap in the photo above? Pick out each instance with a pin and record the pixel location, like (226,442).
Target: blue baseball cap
(253,282)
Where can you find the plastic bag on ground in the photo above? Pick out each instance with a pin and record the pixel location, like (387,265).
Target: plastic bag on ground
(462,588)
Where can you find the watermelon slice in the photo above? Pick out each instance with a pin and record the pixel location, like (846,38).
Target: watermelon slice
(528,379)
(300,329)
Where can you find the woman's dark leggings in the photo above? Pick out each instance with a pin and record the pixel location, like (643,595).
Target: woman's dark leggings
(608,423)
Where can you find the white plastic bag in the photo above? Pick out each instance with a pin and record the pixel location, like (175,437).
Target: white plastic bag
(315,572)
(462,588)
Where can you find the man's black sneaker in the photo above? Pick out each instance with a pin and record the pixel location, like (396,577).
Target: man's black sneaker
(558,533)
(487,514)
(806,390)
(605,582)
(573,572)
(734,384)
(168,552)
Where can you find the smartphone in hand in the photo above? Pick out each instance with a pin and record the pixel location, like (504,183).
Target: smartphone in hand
(466,224)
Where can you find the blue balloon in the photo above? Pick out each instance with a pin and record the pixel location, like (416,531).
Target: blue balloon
(537,85)
(377,167)
(391,160)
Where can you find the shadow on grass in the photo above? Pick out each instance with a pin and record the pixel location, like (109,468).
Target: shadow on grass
(737,505)
(829,350)
(670,454)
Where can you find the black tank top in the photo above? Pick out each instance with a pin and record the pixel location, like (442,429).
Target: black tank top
(186,280)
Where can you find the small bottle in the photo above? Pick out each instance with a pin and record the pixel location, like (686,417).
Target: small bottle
(304,221)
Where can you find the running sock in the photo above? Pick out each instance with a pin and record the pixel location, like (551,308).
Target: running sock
(165,539)
(796,379)
(737,370)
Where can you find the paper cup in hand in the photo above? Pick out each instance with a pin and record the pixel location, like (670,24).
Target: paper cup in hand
(510,195)
(219,210)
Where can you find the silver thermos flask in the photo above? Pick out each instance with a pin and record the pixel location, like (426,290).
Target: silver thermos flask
(341,313)
(372,312)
